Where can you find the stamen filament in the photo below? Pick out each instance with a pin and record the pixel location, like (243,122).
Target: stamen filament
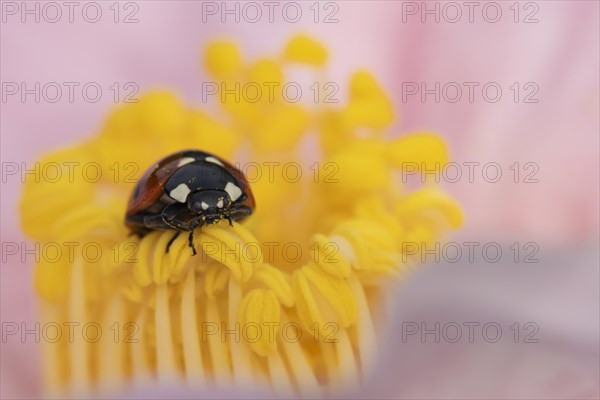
(218,350)
(111,371)
(280,378)
(301,369)
(165,353)
(240,354)
(54,360)
(139,348)
(192,353)
(78,350)
(367,340)
(347,365)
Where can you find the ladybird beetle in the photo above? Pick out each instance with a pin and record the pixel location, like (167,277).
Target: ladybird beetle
(185,190)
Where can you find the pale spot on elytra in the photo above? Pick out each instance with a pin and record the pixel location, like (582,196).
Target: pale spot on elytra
(180,193)
(185,160)
(214,161)
(233,191)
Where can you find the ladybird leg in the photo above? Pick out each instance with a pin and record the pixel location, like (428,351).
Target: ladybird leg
(175,236)
(146,222)
(240,213)
(174,216)
(191,243)
(191,237)
(227,215)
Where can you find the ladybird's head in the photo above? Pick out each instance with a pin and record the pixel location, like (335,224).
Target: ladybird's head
(209,205)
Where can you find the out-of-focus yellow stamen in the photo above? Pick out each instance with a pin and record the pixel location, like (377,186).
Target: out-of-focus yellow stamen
(303,49)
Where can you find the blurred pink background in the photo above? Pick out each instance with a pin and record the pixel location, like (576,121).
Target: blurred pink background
(559,54)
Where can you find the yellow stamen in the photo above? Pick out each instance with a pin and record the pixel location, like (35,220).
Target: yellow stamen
(303,49)
(288,300)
